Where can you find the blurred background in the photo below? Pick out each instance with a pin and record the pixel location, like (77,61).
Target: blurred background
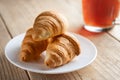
(23,12)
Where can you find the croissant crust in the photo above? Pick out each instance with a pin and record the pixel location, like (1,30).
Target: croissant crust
(61,50)
(49,24)
(30,49)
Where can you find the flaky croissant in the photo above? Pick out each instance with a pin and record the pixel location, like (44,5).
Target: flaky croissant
(61,50)
(48,24)
(30,49)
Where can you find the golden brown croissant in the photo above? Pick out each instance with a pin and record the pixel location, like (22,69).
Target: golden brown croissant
(61,50)
(48,24)
(30,49)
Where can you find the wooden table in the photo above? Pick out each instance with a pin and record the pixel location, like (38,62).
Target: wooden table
(16,16)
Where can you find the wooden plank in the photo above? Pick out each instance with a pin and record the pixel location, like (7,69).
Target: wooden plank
(19,15)
(106,66)
(66,76)
(7,70)
(115,32)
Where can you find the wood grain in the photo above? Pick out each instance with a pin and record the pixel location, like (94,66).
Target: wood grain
(106,66)
(7,70)
(19,16)
(115,32)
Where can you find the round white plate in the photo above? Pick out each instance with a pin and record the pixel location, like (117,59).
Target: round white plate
(88,54)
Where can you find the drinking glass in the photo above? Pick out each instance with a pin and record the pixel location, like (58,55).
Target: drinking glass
(99,15)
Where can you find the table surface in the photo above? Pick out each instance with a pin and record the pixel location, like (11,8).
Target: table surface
(16,16)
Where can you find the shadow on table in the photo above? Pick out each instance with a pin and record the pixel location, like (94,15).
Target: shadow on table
(86,33)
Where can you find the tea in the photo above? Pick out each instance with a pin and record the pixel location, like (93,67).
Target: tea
(100,12)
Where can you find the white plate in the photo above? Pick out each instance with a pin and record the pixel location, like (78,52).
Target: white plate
(88,54)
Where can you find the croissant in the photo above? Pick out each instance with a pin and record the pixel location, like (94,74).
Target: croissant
(61,50)
(48,24)
(30,49)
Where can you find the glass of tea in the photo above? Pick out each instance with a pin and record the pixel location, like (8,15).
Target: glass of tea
(99,15)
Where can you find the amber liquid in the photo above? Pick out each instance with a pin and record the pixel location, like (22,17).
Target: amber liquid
(100,12)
